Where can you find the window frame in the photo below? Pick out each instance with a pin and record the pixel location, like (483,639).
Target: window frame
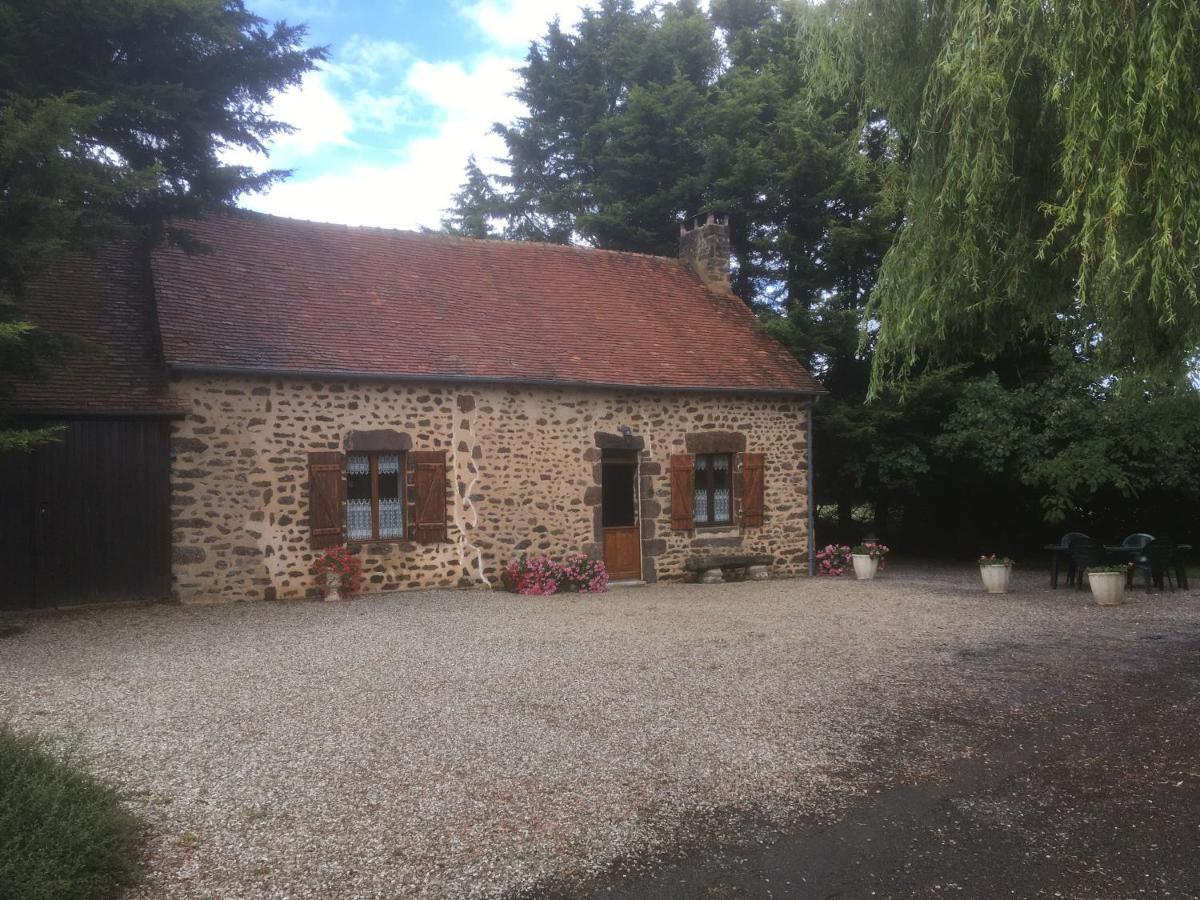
(373,464)
(709,488)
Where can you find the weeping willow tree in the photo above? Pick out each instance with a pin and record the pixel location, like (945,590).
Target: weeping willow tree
(1050,154)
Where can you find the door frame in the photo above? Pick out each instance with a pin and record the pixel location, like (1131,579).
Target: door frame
(631,459)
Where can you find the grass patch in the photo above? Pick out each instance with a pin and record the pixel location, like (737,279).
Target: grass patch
(64,835)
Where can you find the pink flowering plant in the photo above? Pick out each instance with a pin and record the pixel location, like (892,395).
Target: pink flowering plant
(543,576)
(584,575)
(873,549)
(834,560)
(993,560)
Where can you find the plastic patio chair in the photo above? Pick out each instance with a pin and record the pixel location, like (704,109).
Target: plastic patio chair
(1155,563)
(1072,570)
(1086,552)
(1139,540)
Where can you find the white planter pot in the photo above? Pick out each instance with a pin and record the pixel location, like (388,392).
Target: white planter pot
(332,585)
(995,578)
(865,567)
(1108,588)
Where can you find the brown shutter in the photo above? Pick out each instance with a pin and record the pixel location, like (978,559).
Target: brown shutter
(325,486)
(429,485)
(683,481)
(752,490)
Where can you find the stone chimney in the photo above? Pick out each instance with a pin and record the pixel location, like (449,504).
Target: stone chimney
(705,247)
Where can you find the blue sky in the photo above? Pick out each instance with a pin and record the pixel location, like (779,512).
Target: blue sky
(410,91)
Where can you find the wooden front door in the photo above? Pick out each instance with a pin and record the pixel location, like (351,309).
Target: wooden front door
(622,533)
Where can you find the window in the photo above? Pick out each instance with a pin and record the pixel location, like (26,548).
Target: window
(374,496)
(714,494)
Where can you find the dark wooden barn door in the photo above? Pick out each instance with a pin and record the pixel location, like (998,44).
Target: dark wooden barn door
(93,522)
(622,534)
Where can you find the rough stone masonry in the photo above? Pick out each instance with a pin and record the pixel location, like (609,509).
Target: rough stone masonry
(523,477)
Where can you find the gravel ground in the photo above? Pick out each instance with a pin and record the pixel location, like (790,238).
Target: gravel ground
(466,744)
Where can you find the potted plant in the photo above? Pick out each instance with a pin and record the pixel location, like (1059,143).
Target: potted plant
(867,557)
(996,572)
(338,570)
(1108,584)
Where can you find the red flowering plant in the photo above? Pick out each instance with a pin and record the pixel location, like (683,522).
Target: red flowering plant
(340,561)
(543,576)
(834,560)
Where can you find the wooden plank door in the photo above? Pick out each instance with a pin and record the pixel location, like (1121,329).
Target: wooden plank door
(619,514)
(17,559)
(101,513)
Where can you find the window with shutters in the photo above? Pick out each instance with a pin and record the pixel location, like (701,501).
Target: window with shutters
(713,491)
(374,496)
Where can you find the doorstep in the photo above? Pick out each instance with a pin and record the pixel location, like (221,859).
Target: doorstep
(627,583)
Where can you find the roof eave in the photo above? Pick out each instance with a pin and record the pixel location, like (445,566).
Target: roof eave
(356,375)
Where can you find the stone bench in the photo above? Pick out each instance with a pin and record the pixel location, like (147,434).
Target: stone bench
(711,569)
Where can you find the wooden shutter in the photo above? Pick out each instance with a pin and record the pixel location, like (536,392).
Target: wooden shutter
(326,484)
(429,485)
(752,490)
(683,482)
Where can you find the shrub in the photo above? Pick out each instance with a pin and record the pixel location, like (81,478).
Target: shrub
(63,834)
(1104,570)
(340,561)
(834,560)
(993,560)
(543,576)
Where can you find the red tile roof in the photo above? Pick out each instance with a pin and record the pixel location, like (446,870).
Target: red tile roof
(283,295)
(105,300)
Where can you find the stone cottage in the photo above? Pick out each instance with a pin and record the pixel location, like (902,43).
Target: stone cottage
(440,404)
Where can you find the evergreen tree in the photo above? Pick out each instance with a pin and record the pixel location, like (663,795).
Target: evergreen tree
(114,114)
(475,206)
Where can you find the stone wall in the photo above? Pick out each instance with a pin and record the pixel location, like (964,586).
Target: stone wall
(524,467)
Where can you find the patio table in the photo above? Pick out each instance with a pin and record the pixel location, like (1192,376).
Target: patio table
(1059,552)
(1132,553)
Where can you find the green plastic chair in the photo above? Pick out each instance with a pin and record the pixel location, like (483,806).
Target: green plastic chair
(1085,553)
(1156,562)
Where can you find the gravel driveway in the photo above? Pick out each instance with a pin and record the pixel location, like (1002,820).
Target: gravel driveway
(451,744)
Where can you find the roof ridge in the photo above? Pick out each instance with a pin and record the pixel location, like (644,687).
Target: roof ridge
(442,236)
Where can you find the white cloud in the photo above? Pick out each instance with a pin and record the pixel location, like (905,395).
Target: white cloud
(416,188)
(316,114)
(439,113)
(515,23)
(372,59)
(320,120)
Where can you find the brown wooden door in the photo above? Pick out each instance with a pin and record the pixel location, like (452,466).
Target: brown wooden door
(92,521)
(622,533)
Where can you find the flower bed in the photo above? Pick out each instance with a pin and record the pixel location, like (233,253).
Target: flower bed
(543,576)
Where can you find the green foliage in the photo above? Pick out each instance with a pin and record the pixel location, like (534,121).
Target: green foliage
(1052,153)
(474,206)
(63,834)
(114,114)
(1080,432)
(923,208)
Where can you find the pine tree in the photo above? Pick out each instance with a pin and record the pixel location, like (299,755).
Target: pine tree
(475,206)
(114,115)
